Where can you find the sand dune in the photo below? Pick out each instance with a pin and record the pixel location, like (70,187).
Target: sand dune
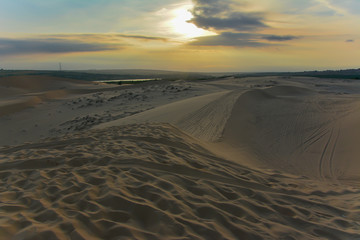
(21,92)
(154,181)
(38,83)
(32,115)
(290,127)
(299,131)
(257,158)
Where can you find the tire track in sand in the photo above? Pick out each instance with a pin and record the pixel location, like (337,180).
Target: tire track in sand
(321,161)
(331,160)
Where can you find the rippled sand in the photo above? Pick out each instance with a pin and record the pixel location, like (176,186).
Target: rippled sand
(265,158)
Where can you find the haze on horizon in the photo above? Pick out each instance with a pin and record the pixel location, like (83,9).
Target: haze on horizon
(197,35)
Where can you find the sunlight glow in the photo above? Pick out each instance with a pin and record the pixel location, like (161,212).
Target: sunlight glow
(182,27)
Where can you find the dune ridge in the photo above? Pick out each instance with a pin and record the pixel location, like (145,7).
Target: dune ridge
(290,127)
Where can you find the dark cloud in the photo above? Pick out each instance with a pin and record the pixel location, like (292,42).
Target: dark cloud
(142,37)
(211,7)
(236,22)
(220,16)
(229,40)
(350,40)
(277,38)
(106,37)
(235,26)
(49,45)
(240,40)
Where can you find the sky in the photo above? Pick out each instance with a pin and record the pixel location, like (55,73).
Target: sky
(188,35)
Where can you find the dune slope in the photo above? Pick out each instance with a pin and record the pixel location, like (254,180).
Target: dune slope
(298,130)
(256,158)
(153,181)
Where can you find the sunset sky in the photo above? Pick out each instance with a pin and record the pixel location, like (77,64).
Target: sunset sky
(197,35)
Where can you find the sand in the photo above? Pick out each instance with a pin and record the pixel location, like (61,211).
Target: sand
(253,158)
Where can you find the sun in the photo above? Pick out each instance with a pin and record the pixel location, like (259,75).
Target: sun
(180,25)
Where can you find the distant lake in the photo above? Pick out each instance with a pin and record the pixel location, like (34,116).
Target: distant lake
(128,80)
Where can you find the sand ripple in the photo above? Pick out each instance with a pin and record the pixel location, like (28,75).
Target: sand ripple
(156,182)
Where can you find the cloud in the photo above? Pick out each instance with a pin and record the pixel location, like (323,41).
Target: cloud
(141,37)
(237,22)
(350,40)
(50,46)
(229,39)
(335,8)
(70,43)
(211,7)
(241,40)
(277,38)
(350,6)
(107,37)
(221,15)
(234,24)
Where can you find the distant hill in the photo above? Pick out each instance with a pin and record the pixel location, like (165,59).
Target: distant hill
(144,72)
(141,73)
(97,75)
(344,74)
(348,74)
(120,74)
